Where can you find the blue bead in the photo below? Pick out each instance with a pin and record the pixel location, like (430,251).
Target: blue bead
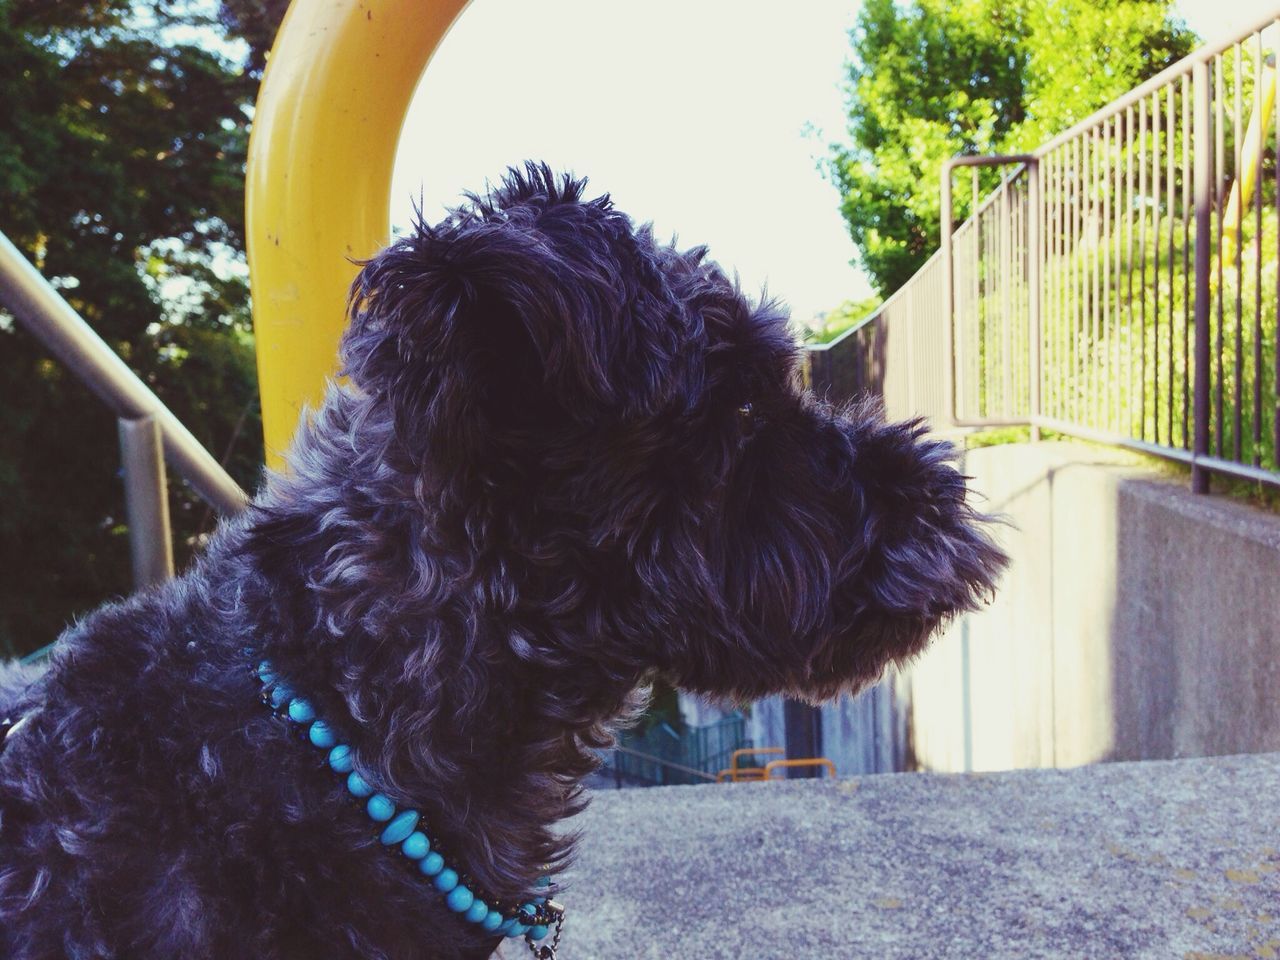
(321,735)
(492,920)
(340,758)
(265,673)
(357,786)
(537,931)
(519,930)
(400,827)
(280,695)
(300,711)
(446,880)
(506,926)
(478,911)
(543,882)
(459,899)
(529,910)
(380,808)
(416,845)
(431,864)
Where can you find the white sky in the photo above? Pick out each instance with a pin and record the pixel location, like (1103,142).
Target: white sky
(691,113)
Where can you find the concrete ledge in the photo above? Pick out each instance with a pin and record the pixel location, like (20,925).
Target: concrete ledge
(1169,859)
(1137,622)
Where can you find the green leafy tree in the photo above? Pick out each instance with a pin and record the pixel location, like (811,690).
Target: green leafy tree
(929,79)
(835,322)
(123,128)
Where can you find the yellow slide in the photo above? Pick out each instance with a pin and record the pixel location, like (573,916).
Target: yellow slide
(1242,189)
(325,132)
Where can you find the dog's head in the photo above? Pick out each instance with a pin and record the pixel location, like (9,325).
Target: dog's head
(612,424)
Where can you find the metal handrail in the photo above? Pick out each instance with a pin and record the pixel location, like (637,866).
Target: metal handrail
(700,774)
(1200,56)
(50,319)
(1075,304)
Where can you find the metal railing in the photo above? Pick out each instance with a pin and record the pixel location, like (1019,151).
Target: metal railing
(661,755)
(150,434)
(1120,284)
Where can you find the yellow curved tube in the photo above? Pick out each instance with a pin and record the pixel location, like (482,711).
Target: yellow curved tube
(318,184)
(1264,101)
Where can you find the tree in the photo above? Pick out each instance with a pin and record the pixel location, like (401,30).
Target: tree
(123,130)
(929,79)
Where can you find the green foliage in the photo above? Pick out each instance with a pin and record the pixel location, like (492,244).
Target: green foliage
(837,321)
(122,141)
(933,78)
(663,708)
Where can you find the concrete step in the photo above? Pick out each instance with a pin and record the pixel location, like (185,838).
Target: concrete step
(1166,859)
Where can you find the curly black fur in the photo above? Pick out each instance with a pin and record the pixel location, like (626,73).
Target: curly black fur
(567,457)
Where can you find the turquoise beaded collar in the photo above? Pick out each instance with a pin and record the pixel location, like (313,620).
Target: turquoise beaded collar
(405,828)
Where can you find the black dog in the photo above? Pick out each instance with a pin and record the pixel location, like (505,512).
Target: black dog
(567,458)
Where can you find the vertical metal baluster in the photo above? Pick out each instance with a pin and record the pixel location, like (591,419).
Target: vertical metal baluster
(1156,147)
(1024,271)
(1219,185)
(1066,379)
(146,501)
(1055,370)
(1053,266)
(1142,269)
(1080,368)
(992,375)
(1169,142)
(1186,260)
(1129,241)
(1006,292)
(1275,330)
(1048,280)
(982,358)
(1117,327)
(1084,251)
(1022,267)
(984,317)
(1119,378)
(1103,348)
(1068,375)
(1012,322)
(1078,282)
(1236,170)
(1203,202)
(1034,243)
(1000,227)
(976,336)
(1094,236)
(1257,257)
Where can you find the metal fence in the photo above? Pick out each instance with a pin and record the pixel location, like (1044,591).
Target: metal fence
(1119,283)
(149,431)
(662,755)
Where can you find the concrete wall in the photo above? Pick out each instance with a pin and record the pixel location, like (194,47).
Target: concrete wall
(1137,622)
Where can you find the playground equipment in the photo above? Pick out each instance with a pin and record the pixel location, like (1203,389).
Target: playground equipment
(736,774)
(1264,102)
(317,193)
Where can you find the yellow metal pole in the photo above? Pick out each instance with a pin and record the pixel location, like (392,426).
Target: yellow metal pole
(1264,101)
(317,192)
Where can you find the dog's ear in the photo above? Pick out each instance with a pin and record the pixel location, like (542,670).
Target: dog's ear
(508,317)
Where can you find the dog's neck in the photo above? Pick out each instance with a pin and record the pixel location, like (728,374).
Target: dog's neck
(452,662)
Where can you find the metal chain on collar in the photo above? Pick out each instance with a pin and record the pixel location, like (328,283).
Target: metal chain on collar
(547,951)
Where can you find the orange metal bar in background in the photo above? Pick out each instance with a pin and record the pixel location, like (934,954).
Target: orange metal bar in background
(749,752)
(787,764)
